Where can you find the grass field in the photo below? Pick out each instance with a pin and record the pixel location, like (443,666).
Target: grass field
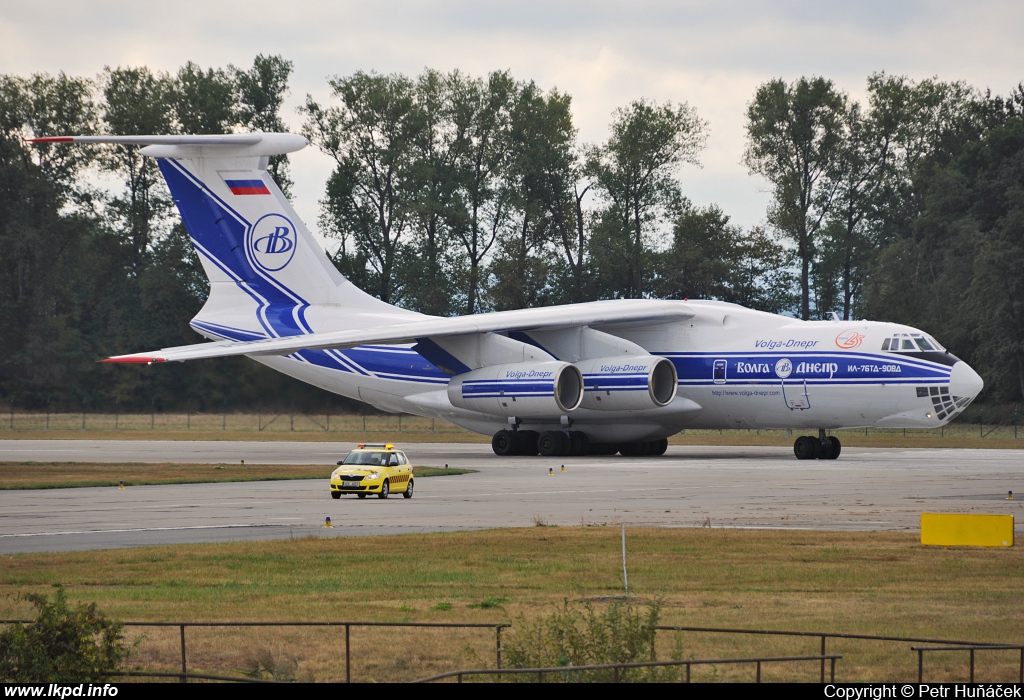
(60,475)
(873,583)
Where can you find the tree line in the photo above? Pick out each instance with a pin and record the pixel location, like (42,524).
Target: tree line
(454,194)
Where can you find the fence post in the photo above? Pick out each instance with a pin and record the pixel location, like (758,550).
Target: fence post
(188,415)
(11,401)
(152,415)
(117,414)
(822,658)
(184,668)
(348,656)
(48,399)
(972,665)
(920,665)
(758,672)
(498,635)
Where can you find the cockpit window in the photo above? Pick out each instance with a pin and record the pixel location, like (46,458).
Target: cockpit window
(911,342)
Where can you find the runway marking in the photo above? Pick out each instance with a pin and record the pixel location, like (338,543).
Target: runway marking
(134,529)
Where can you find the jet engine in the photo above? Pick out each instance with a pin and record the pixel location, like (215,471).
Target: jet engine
(628,383)
(523,389)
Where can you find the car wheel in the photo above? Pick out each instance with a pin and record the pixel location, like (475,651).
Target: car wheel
(408,490)
(361,495)
(384,490)
(335,494)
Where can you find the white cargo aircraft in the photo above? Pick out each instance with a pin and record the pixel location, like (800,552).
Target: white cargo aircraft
(593,378)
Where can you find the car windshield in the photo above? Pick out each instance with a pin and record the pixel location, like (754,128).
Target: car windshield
(367,459)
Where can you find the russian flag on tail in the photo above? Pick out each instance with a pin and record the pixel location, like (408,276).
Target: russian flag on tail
(247,187)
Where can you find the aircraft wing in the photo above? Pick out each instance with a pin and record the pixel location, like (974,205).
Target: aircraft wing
(598,313)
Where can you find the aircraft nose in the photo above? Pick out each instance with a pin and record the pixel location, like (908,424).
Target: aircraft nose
(964,381)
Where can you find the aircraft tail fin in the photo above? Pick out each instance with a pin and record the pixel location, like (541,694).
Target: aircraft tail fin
(266,270)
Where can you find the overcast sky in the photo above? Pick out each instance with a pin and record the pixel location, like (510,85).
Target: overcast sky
(712,55)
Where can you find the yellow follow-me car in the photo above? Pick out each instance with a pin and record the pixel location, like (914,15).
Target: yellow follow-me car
(373,468)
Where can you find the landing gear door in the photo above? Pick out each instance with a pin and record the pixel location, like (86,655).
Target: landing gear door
(718,371)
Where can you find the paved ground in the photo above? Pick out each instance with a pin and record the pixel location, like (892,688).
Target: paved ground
(866,489)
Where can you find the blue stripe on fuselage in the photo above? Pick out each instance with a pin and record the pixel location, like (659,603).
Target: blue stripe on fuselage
(812,367)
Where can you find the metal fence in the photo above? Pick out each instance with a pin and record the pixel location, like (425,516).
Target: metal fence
(571,673)
(823,637)
(259,421)
(826,661)
(207,422)
(348,626)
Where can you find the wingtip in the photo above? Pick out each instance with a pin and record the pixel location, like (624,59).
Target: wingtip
(133,359)
(50,139)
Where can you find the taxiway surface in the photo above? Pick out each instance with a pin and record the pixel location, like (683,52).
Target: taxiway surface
(866,489)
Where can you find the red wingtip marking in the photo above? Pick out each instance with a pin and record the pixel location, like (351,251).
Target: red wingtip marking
(143,360)
(51,139)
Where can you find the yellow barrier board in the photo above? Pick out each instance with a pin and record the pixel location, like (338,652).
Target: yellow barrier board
(958,530)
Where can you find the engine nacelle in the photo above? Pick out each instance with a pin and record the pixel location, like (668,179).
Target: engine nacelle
(628,383)
(523,389)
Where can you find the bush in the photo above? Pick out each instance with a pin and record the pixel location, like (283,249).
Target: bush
(62,645)
(579,634)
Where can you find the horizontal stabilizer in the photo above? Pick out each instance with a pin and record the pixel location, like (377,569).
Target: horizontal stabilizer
(598,313)
(172,146)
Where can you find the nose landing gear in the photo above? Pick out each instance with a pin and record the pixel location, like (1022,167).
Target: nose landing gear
(821,447)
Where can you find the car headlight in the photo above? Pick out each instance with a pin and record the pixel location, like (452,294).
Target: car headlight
(372,476)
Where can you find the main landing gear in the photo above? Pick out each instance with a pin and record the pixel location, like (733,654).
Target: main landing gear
(561,443)
(821,447)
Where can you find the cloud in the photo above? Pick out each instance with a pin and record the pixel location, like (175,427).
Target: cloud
(605,54)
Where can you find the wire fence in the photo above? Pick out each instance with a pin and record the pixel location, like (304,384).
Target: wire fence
(206,422)
(276,422)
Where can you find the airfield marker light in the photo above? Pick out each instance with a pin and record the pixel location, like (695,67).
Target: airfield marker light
(243,462)
(327,523)
(551,471)
(120,485)
(1009,495)
(446,465)
(563,467)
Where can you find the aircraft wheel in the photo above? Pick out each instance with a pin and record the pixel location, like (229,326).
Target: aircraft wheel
(526,443)
(658,447)
(836,447)
(603,449)
(335,494)
(385,490)
(805,447)
(551,443)
(408,490)
(634,449)
(578,443)
(504,443)
(823,449)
